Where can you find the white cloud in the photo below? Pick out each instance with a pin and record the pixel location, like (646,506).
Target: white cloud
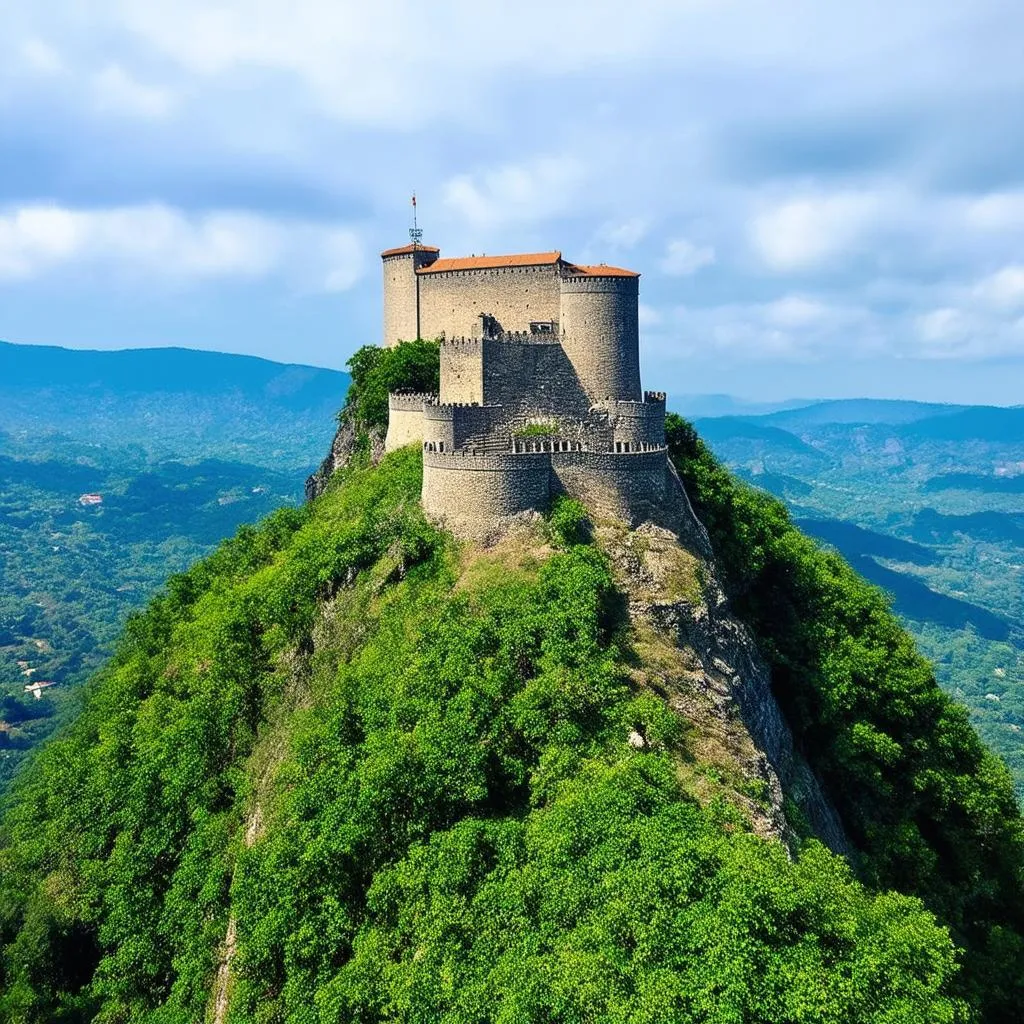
(683,257)
(514,193)
(623,234)
(40,57)
(997,211)
(117,92)
(167,246)
(807,232)
(1003,289)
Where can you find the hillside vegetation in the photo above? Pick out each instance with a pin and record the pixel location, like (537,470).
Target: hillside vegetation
(457,829)
(925,501)
(346,769)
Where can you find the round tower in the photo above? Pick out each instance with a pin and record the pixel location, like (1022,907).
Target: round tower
(402,291)
(600,332)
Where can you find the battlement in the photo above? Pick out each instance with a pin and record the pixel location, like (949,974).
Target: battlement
(540,386)
(410,401)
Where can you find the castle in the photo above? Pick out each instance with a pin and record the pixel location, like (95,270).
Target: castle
(540,386)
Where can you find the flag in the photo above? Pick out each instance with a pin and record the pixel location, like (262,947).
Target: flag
(414,199)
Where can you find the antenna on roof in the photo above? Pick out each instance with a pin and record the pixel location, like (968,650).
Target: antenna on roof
(415,232)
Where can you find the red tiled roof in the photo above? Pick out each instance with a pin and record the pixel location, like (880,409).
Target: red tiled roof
(599,270)
(530,259)
(403,250)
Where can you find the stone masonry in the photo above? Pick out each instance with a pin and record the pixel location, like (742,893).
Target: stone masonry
(540,387)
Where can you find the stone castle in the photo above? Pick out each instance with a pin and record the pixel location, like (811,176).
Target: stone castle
(540,386)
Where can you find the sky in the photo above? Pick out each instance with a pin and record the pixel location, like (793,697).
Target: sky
(824,199)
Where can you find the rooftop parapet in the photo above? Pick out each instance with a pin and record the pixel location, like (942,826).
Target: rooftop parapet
(410,401)
(655,396)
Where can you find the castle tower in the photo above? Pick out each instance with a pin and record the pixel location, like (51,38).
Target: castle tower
(402,291)
(599,325)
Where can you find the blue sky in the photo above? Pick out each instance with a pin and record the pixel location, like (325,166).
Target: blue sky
(825,199)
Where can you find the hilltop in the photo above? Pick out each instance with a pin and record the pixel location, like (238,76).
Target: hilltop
(350,768)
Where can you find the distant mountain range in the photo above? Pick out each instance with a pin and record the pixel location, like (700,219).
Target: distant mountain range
(925,500)
(167,399)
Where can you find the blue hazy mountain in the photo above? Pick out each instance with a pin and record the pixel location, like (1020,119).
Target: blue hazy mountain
(927,501)
(179,401)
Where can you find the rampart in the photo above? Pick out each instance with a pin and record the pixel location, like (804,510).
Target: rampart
(474,492)
(453,425)
(599,324)
(451,301)
(540,387)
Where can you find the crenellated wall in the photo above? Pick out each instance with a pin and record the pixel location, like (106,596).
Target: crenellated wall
(462,370)
(639,423)
(454,425)
(473,493)
(451,301)
(405,418)
(599,324)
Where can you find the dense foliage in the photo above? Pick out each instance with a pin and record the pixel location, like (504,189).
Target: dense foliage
(930,807)
(928,503)
(70,574)
(454,827)
(408,366)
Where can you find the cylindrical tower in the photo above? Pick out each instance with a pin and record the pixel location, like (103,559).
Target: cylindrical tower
(600,333)
(401,291)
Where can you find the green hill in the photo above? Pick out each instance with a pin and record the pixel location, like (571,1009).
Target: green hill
(349,769)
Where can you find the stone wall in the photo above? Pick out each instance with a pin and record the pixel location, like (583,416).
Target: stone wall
(462,373)
(473,493)
(599,317)
(405,419)
(456,425)
(533,375)
(639,423)
(622,486)
(451,301)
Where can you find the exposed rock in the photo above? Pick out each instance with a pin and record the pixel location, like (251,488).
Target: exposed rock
(713,674)
(343,447)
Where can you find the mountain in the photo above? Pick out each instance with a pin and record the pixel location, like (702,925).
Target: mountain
(167,398)
(348,768)
(926,501)
(117,469)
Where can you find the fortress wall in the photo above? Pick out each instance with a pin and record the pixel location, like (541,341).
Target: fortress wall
(405,419)
(474,492)
(534,376)
(400,295)
(639,423)
(404,427)
(462,372)
(598,318)
(451,301)
(456,424)
(612,485)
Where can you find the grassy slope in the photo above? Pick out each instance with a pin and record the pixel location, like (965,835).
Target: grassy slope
(418,803)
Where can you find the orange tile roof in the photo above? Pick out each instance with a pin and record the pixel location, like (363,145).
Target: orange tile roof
(403,249)
(599,270)
(530,259)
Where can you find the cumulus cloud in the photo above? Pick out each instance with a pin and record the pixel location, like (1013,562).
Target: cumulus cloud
(117,92)
(1003,289)
(514,193)
(163,244)
(683,257)
(808,232)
